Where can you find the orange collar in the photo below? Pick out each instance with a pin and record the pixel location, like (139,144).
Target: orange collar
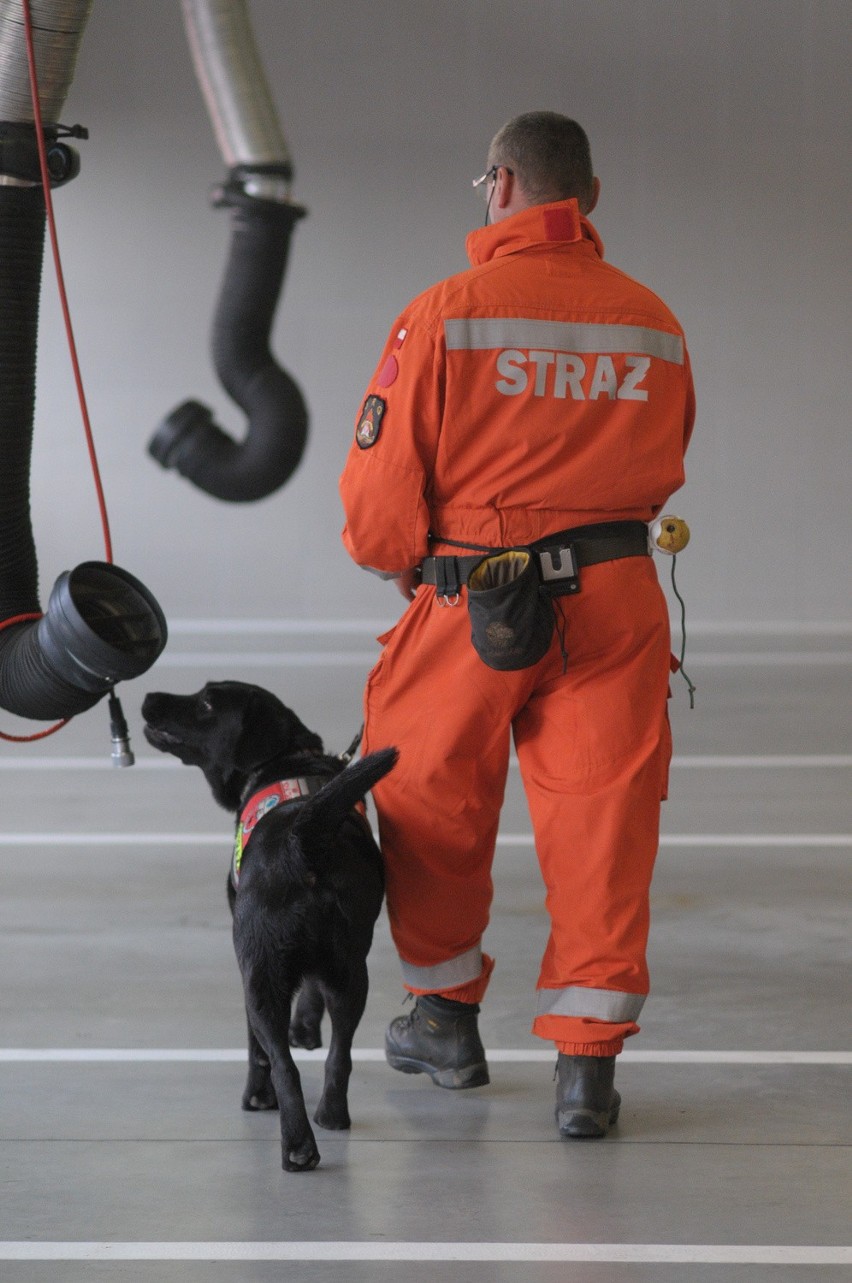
(559,221)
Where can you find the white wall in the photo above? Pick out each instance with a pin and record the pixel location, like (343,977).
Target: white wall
(720,130)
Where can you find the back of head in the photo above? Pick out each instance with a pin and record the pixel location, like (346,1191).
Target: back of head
(549,155)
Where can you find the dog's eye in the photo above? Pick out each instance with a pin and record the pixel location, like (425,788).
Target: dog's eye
(206,706)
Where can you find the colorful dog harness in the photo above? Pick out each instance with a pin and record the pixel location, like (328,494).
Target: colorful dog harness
(265,800)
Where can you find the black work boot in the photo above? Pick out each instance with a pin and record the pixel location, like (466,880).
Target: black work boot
(586,1101)
(439,1038)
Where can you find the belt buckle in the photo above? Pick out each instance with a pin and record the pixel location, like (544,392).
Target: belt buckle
(559,570)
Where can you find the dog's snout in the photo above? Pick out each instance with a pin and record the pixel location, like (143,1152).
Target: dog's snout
(159,711)
(159,704)
(150,704)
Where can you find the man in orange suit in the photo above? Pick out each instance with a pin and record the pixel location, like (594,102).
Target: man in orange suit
(528,415)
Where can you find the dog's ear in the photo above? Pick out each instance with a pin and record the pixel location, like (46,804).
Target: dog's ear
(306,741)
(270,727)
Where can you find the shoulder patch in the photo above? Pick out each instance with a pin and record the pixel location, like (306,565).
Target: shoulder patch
(389,372)
(370,422)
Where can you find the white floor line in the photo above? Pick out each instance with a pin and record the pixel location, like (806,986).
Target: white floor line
(371,1055)
(247,626)
(767,761)
(811,840)
(280,627)
(611,1253)
(752,761)
(688,761)
(765,658)
(220,660)
(114,839)
(719,839)
(102,763)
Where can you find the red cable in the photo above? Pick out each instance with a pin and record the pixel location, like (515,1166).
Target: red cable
(72,347)
(60,280)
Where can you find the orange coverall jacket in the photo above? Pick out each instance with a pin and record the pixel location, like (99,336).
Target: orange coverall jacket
(539,390)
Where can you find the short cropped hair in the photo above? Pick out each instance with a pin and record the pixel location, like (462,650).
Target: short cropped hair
(549,154)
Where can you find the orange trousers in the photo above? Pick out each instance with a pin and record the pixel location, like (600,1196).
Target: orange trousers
(594,747)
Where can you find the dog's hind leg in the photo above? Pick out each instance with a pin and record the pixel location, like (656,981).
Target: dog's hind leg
(259,1092)
(345,1008)
(306,1019)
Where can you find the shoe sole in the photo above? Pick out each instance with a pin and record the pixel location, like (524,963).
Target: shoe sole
(452,1079)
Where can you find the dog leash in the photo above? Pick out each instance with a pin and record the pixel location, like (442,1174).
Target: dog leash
(350,752)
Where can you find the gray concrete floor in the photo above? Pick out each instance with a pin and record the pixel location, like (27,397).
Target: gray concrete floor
(111,939)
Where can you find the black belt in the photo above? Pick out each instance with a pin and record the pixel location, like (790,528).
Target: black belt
(583,546)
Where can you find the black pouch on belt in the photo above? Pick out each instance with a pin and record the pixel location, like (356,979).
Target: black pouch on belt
(511,623)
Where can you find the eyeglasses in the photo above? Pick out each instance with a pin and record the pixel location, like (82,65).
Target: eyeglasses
(490,173)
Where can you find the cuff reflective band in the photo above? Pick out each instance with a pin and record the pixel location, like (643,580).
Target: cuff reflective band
(597,1004)
(444,975)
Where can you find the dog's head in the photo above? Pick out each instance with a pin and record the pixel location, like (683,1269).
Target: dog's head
(229,730)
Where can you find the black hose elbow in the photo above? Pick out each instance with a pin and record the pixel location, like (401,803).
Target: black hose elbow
(189,440)
(101,626)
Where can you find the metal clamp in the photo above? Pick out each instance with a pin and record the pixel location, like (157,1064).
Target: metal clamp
(559,570)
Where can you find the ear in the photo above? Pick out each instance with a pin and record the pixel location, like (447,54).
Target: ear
(596,191)
(505,187)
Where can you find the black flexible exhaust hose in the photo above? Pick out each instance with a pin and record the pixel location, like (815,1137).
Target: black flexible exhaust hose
(22,240)
(188,439)
(101,624)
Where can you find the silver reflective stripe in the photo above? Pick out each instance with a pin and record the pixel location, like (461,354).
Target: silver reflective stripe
(383,574)
(444,975)
(476,333)
(599,1004)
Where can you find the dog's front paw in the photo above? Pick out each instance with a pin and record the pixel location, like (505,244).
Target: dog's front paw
(302,1159)
(333,1116)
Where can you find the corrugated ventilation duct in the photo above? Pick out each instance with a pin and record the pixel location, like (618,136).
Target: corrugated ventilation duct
(257,191)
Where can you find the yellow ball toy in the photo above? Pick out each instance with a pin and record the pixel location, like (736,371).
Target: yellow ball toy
(670,534)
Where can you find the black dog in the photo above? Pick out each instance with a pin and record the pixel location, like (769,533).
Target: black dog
(305,888)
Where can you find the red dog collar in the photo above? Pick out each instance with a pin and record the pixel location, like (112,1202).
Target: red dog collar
(266,799)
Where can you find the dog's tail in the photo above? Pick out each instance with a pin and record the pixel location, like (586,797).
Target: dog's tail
(320,817)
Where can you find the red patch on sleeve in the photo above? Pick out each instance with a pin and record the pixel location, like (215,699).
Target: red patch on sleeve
(388,372)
